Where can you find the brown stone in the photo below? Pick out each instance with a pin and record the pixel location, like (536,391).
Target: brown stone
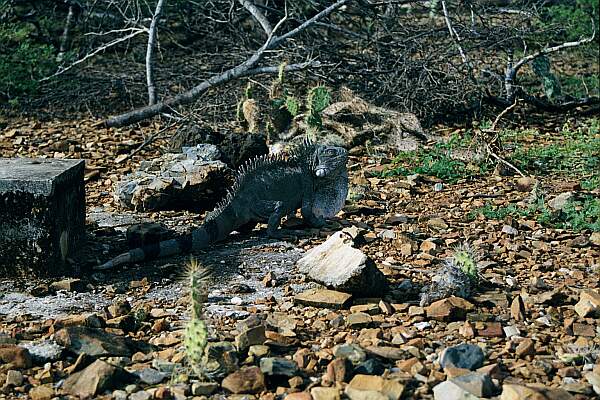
(298,396)
(517,309)
(521,392)
(589,304)
(96,378)
(41,392)
(584,330)
(491,329)
(525,348)
(17,356)
(338,370)
(246,380)
(325,393)
(450,309)
(369,386)
(323,298)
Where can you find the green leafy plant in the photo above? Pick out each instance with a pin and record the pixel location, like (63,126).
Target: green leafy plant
(438,161)
(577,215)
(23,61)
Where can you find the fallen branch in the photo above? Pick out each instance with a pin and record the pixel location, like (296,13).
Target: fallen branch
(502,114)
(258,15)
(246,68)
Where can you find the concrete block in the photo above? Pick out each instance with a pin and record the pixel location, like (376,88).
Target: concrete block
(42,215)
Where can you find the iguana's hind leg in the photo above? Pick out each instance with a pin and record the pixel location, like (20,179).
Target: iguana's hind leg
(275,220)
(246,228)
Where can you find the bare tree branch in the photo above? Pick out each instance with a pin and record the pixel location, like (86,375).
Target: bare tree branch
(150,53)
(64,39)
(453,34)
(243,69)
(258,15)
(105,46)
(512,69)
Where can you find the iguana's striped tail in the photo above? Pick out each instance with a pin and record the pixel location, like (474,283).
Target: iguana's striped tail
(212,230)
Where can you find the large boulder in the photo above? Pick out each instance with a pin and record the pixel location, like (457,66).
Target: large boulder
(338,265)
(194,179)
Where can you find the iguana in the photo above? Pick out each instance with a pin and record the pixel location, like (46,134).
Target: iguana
(311,177)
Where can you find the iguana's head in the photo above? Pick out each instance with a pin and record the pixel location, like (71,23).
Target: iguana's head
(329,161)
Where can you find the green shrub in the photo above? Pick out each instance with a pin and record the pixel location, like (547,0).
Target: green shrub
(438,161)
(22,61)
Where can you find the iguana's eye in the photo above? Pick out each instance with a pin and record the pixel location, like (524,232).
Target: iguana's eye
(330,152)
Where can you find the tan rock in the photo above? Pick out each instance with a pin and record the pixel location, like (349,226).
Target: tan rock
(41,392)
(323,298)
(517,309)
(96,378)
(589,303)
(520,392)
(449,309)
(525,348)
(18,356)
(325,393)
(298,396)
(363,387)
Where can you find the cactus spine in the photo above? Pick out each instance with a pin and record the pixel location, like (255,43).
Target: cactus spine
(196,333)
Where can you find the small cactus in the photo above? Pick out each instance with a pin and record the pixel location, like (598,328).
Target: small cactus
(292,105)
(317,100)
(465,258)
(196,332)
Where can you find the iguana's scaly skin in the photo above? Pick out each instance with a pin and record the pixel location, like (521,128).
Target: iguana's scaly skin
(312,178)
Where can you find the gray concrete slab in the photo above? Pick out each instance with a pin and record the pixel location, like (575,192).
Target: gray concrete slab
(42,215)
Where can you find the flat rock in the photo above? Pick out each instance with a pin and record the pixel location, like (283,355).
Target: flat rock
(358,320)
(338,265)
(449,390)
(92,341)
(475,383)
(325,393)
(41,392)
(69,285)
(278,366)
(387,352)
(245,380)
(521,392)
(96,378)
(588,304)
(363,387)
(323,298)
(249,337)
(17,356)
(449,309)
(464,355)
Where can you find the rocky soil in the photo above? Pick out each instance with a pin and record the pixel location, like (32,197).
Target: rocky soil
(531,331)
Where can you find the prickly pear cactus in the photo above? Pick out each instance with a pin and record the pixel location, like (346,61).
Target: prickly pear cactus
(459,276)
(196,333)
(465,258)
(317,100)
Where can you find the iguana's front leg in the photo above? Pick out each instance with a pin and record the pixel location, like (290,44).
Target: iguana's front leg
(309,216)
